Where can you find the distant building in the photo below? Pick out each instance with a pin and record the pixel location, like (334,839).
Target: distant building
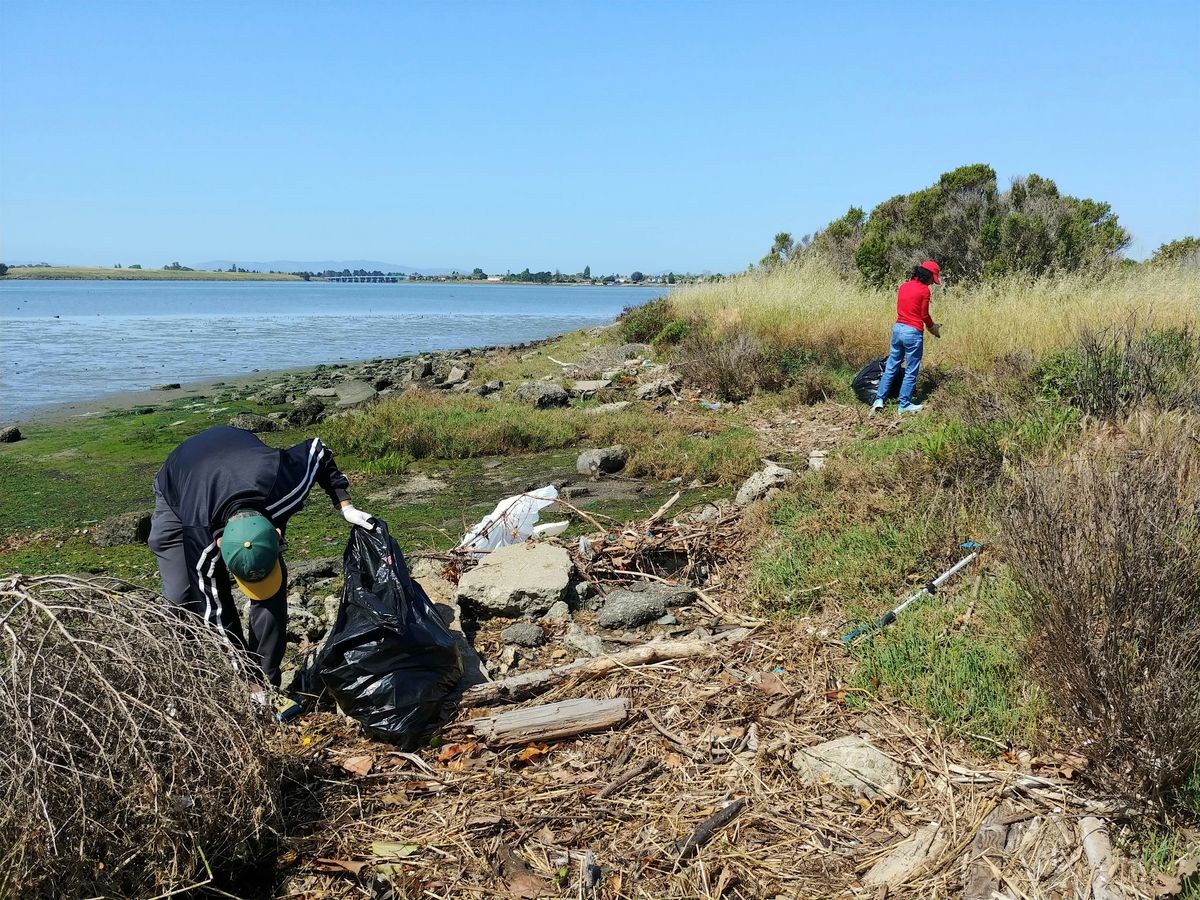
(495,278)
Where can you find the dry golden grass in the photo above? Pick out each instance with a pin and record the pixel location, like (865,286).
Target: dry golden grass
(809,305)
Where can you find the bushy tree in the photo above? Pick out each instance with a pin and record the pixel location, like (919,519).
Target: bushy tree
(780,252)
(974,230)
(1183,252)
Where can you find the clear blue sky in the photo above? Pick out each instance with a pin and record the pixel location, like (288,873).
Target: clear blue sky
(660,135)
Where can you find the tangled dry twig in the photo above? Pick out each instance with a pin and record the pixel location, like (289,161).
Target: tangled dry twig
(132,757)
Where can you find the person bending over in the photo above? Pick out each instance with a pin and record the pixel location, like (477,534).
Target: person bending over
(222,501)
(908,335)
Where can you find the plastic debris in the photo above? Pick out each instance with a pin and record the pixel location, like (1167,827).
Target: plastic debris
(512,521)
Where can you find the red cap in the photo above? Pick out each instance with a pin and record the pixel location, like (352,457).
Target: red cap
(934,268)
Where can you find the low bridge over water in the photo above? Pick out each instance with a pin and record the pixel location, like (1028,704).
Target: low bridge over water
(365,279)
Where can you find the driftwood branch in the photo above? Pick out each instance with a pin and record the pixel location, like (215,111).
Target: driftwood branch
(553,721)
(530,684)
(710,826)
(646,765)
(1094,836)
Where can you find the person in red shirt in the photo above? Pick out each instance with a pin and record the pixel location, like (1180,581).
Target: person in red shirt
(908,335)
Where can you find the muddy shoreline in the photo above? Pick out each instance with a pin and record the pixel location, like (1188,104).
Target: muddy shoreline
(72,410)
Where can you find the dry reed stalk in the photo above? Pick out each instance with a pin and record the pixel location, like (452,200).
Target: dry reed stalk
(133,762)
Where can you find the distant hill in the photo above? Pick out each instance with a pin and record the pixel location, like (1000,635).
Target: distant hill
(293,265)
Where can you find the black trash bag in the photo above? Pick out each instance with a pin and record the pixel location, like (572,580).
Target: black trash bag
(866,382)
(389,661)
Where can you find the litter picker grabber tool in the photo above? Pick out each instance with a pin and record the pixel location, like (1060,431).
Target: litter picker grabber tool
(932,588)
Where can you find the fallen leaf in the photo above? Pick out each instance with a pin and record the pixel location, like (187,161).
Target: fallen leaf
(772,685)
(1188,866)
(1167,886)
(527,887)
(452,751)
(350,866)
(674,760)
(532,752)
(358,765)
(393,849)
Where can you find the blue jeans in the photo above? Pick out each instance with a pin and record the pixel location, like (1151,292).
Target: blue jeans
(908,344)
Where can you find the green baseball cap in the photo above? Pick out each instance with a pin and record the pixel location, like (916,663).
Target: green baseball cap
(250,548)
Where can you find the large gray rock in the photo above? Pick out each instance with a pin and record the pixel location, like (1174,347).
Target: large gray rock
(657,388)
(641,602)
(908,857)
(523,634)
(354,393)
(517,580)
(587,388)
(761,484)
(581,642)
(166,386)
(850,762)
(604,408)
(10,434)
(541,394)
(308,411)
(305,572)
(628,609)
(606,460)
(254,422)
(322,392)
(127,528)
(454,376)
(558,614)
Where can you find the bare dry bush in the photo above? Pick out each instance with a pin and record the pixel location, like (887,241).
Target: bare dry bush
(132,759)
(1106,547)
(1117,370)
(729,366)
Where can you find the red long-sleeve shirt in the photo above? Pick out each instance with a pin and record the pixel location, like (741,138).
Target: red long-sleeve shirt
(912,305)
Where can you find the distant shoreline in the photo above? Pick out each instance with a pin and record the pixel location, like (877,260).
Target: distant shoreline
(81,273)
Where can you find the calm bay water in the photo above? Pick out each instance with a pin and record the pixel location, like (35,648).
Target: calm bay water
(64,341)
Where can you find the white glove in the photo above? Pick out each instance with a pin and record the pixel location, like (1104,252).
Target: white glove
(357,517)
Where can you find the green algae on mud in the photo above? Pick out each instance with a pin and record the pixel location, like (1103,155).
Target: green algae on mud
(66,476)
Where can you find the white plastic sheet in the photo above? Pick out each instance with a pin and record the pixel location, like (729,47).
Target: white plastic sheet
(512,521)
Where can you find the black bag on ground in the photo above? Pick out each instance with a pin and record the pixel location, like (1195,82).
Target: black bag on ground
(389,661)
(866,382)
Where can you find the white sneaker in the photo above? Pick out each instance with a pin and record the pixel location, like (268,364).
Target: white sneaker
(876,406)
(912,408)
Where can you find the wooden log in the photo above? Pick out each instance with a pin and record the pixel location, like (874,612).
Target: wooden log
(553,721)
(1094,836)
(981,879)
(530,684)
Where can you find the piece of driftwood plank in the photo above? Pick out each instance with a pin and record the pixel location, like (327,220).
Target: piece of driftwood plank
(981,880)
(530,684)
(553,721)
(1093,835)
